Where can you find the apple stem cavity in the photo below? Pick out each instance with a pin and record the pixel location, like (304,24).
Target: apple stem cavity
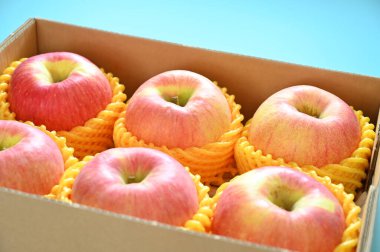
(133,178)
(8,142)
(178,100)
(309,110)
(59,70)
(175,100)
(175,96)
(285,198)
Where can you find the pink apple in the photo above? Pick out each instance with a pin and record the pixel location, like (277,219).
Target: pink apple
(140,182)
(178,109)
(307,125)
(280,207)
(30,161)
(60,90)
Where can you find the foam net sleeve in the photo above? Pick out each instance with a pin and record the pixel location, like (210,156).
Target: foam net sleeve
(67,152)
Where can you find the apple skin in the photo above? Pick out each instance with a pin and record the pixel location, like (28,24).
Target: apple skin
(253,208)
(152,117)
(162,191)
(60,90)
(328,135)
(30,161)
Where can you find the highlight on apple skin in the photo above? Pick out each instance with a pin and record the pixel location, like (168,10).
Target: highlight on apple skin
(30,161)
(140,182)
(60,90)
(306,125)
(178,108)
(280,207)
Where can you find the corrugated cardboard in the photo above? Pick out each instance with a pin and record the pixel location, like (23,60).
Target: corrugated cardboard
(368,220)
(31,223)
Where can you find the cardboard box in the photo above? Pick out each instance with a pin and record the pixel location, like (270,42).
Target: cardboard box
(32,223)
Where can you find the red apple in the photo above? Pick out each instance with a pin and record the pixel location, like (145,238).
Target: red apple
(306,125)
(280,207)
(140,182)
(178,109)
(30,161)
(60,90)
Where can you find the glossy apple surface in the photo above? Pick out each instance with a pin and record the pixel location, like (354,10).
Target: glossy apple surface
(178,109)
(280,207)
(307,125)
(30,161)
(140,182)
(60,90)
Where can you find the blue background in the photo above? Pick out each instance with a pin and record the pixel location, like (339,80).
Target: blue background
(342,35)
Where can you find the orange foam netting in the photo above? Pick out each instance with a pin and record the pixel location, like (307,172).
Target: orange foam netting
(201,220)
(91,138)
(67,152)
(350,171)
(351,234)
(214,162)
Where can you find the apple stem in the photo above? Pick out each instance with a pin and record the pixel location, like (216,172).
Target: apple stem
(131,179)
(175,100)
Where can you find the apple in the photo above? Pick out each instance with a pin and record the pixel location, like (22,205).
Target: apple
(306,125)
(60,90)
(178,108)
(140,182)
(281,207)
(30,161)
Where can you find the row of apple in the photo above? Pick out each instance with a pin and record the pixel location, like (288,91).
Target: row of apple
(188,117)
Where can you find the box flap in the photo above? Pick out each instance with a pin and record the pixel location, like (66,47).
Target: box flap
(22,43)
(373,174)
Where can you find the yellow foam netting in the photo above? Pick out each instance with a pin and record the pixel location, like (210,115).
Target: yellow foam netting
(350,171)
(350,236)
(214,162)
(91,138)
(200,221)
(67,152)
